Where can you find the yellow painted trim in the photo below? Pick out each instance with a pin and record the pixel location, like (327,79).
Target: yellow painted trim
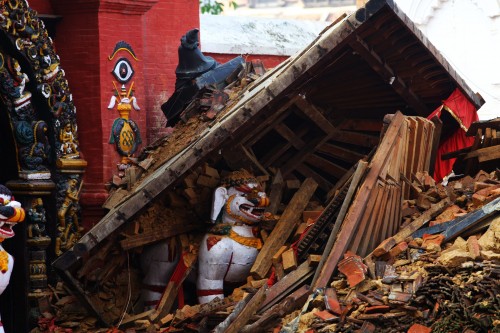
(247,241)
(450,111)
(122,49)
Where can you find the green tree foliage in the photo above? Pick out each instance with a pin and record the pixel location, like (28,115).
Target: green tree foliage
(214,7)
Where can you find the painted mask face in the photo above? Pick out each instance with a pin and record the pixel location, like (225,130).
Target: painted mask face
(247,201)
(11,213)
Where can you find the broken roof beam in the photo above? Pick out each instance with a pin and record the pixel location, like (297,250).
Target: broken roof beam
(275,153)
(340,153)
(359,139)
(329,167)
(388,75)
(307,172)
(315,115)
(264,127)
(353,124)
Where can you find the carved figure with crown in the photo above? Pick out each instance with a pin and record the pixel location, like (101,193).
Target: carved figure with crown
(229,250)
(11,213)
(125,132)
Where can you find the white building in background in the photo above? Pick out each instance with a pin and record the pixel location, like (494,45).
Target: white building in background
(467,32)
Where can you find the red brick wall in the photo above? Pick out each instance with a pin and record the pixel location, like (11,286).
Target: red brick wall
(78,48)
(164,27)
(42,6)
(86,36)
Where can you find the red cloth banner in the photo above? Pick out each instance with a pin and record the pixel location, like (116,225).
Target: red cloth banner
(465,113)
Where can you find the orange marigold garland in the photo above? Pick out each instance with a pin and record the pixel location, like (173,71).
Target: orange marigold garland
(4,261)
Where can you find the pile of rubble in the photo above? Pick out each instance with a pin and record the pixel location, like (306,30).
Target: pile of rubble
(415,258)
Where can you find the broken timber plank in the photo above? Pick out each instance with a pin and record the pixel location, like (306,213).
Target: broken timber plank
(154,235)
(276,193)
(356,179)
(357,208)
(485,154)
(363,125)
(283,228)
(247,311)
(307,172)
(169,295)
(273,315)
(472,219)
(285,286)
(338,152)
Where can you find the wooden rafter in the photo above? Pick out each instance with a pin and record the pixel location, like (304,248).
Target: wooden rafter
(326,166)
(351,124)
(306,171)
(340,153)
(278,151)
(388,75)
(315,115)
(360,139)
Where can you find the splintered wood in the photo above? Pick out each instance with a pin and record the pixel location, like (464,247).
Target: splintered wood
(375,212)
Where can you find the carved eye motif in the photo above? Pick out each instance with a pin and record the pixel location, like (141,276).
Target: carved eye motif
(123,70)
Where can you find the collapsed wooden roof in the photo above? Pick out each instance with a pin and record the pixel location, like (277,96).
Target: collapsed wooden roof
(316,114)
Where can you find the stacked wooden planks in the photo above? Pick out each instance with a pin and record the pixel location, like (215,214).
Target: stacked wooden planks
(375,211)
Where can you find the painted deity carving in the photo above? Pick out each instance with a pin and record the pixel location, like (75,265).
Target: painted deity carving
(20,78)
(229,250)
(125,132)
(69,142)
(36,218)
(11,213)
(37,242)
(69,229)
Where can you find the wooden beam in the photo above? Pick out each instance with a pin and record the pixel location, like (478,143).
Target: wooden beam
(362,125)
(276,193)
(271,317)
(315,115)
(483,124)
(340,153)
(169,295)
(356,179)
(324,184)
(283,228)
(289,135)
(251,156)
(456,153)
(285,286)
(359,139)
(276,152)
(388,74)
(263,128)
(248,310)
(323,164)
(157,234)
(485,154)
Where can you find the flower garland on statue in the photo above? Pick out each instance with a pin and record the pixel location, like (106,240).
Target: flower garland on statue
(4,260)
